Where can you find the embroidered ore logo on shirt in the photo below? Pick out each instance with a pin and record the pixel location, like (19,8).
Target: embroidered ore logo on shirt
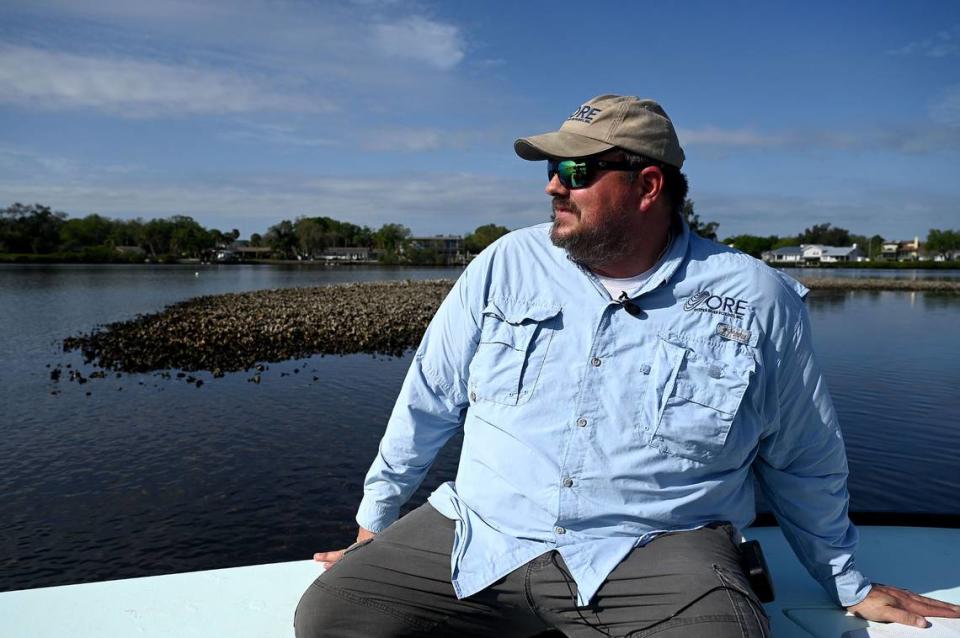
(703,301)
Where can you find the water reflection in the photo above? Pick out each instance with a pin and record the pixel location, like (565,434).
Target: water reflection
(911,274)
(890,364)
(836,299)
(940,301)
(829,298)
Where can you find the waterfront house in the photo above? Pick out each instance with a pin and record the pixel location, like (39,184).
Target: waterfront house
(449,247)
(786,254)
(224,256)
(910,250)
(346,253)
(889,250)
(950,255)
(252,252)
(813,254)
(834,254)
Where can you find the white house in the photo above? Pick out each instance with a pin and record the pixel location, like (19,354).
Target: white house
(834,254)
(813,254)
(787,254)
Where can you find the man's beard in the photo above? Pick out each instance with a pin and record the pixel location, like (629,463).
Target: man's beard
(592,247)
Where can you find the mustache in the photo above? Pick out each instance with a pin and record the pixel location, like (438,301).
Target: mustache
(565,204)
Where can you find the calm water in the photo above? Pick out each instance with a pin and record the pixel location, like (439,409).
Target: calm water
(148,476)
(864,273)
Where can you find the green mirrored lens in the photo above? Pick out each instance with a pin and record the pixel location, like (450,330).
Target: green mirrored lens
(579,174)
(572,174)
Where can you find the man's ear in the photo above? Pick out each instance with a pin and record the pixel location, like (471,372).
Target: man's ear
(651,182)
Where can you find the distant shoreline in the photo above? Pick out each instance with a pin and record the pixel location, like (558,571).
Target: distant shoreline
(823,282)
(69,258)
(54,260)
(874,265)
(886,284)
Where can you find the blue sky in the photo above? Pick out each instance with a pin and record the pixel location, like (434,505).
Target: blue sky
(244,113)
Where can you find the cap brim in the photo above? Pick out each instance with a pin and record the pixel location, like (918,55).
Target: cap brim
(558,144)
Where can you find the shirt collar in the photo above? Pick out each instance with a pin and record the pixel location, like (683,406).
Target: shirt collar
(664,270)
(675,257)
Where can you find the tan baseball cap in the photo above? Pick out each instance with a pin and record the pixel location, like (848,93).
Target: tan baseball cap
(608,121)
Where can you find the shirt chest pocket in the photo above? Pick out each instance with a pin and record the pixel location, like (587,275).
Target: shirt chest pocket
(514,339)
(698,392)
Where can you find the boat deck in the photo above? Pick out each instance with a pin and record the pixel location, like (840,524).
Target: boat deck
(259,601)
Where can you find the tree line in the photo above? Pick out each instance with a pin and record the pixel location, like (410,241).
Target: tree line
(37,230)
(307,237)
(938,241)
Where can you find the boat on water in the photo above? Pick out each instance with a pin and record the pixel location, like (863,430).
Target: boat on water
(921,554)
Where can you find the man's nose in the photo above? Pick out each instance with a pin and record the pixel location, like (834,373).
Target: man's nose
(555,188)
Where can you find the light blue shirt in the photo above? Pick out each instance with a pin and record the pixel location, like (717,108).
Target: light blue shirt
(590,430)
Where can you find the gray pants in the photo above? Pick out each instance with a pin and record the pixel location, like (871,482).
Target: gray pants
(684,584)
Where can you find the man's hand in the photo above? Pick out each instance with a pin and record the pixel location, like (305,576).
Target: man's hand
(329,558)
(892,604)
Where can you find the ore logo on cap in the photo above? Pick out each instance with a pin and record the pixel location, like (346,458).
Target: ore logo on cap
(584,113)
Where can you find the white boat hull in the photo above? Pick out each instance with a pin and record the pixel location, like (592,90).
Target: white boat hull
(259,601)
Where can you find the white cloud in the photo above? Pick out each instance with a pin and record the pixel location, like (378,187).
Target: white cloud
(417,140)
(411,140)
(14,160)
(944,43)
(172,10)
(941,135)
(219,57)
(32,77)
(946,109)
(280,134)
(438,44)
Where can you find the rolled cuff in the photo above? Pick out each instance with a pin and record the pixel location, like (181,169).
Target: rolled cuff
(375,516)
(850,587)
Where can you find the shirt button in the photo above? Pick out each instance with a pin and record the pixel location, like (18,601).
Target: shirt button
(473,396)
(559,530)
(645,369)
(582,422)
(596,362)
(568,482)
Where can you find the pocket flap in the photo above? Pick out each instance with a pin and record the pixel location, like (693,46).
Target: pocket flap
(713,377)
(516,311)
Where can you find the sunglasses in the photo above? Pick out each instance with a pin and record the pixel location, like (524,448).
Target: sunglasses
(574,174)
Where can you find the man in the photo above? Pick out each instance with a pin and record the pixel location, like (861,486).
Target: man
(622,385)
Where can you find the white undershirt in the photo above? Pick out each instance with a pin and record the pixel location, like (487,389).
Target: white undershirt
(616,287)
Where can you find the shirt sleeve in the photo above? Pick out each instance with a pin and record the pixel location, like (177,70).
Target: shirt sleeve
(428,411)
(802,469)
